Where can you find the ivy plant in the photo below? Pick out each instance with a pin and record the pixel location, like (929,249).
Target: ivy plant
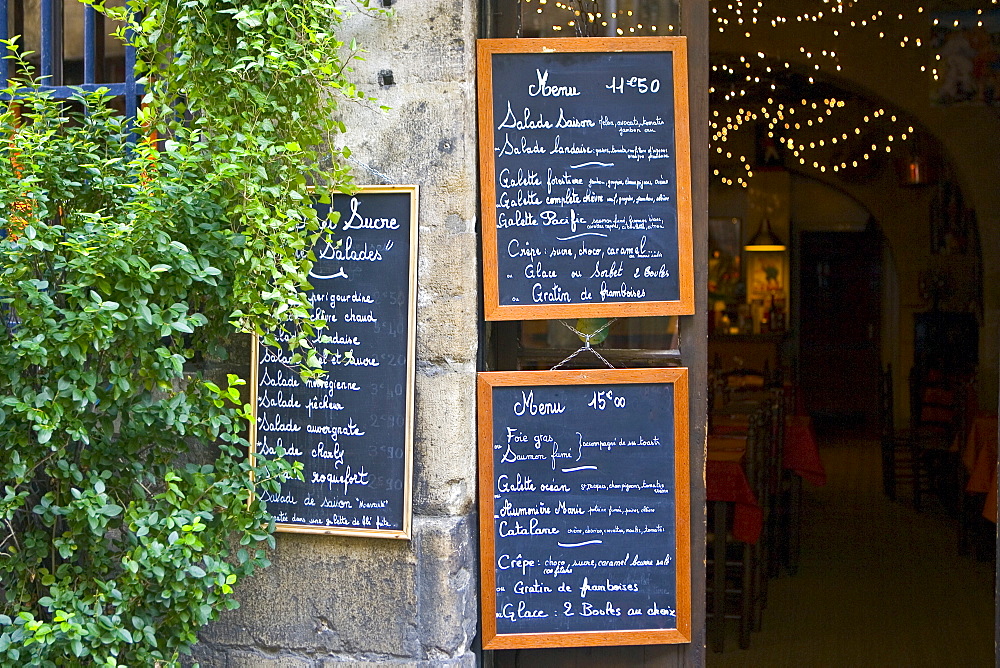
(129,508)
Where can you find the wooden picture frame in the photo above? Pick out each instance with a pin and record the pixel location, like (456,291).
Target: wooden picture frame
(585,178)
(584,491)
(369,391)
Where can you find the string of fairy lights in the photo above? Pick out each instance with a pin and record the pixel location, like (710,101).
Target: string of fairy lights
(626,22)
(753,83)
(876,131)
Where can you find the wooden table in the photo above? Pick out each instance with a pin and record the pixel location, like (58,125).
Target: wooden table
(800,460)
(726,481)
(800,454)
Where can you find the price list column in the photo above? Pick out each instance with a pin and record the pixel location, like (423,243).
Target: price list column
(350,428)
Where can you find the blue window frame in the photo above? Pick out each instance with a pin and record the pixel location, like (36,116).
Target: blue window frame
(73,49)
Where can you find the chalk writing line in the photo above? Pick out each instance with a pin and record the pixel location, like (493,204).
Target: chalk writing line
(339,274)
(583,234)
(592,164)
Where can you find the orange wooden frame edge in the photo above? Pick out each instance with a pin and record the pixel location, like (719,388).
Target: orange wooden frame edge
(486,381)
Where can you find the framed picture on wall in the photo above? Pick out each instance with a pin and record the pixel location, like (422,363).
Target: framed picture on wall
(725,267)
(767,276)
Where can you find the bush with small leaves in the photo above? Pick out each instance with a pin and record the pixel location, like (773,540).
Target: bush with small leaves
(129,507)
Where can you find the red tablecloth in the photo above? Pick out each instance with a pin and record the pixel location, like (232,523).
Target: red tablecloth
(980,458)
(726,481)
(801,455)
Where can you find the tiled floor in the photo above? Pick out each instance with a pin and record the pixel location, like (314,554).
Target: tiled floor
(878,585)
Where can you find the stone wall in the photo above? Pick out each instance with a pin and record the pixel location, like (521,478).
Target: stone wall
(376,602)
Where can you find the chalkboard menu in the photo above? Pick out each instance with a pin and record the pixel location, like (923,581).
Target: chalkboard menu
(352,429)
(585,175)
(584,508)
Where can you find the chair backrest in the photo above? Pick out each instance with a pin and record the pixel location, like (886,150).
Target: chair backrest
(754,458)
(887,418)
(937,403)
(765,443)
(740,383)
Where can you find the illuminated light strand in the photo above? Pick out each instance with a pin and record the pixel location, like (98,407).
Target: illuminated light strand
(600,18)
(731,124)
(904,41)
(844,136)
(742,15)
(811,153)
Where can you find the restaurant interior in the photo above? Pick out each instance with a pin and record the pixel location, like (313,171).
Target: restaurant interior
(853,307)
(851,245)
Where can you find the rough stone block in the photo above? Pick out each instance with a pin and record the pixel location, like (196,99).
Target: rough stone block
(426,40)
(467,660)
(450,267)
(446,328)
(205,654)
(257,660)
(423,139)
(445,453)
(328,595)
(446,554)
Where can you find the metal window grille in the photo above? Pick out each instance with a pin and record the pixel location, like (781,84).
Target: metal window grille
(74,49)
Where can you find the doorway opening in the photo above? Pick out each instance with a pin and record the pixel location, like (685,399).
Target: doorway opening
(869,566)
(876,110)
(885,266)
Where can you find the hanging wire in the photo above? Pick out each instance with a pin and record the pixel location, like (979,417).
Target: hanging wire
(519,22)
(586,338)
(585,26)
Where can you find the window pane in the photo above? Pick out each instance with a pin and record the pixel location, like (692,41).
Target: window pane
(593,18)
(657,333)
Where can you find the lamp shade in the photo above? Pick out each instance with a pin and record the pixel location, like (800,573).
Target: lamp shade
(765,239)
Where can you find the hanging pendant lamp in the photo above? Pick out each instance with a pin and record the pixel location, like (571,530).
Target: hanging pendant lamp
(765,239)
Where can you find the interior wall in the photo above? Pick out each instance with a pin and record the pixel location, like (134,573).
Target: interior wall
(817,207)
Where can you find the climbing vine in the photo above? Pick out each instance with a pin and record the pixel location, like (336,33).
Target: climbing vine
(254,86)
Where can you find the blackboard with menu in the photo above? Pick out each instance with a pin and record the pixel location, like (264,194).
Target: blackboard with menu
(585,177)
(351,429)
(584,508)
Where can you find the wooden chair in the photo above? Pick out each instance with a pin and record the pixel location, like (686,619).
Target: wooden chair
(937,412)
(736,570)
(897,454)
(770,498)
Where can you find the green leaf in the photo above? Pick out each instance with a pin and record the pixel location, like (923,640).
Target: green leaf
(111,510)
